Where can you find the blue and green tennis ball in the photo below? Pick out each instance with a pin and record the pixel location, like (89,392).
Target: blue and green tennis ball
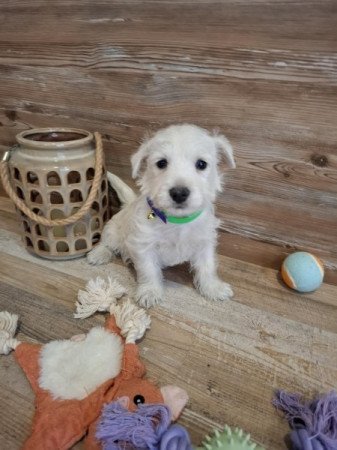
(302,271)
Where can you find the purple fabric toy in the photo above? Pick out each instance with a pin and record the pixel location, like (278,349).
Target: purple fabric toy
(175,438)
(146,429)
(314,424)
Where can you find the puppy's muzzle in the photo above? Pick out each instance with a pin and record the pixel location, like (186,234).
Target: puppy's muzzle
(179,194)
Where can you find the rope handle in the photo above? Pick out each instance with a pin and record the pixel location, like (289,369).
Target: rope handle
(4,174)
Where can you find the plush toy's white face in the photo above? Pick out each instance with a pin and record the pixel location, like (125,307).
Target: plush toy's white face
(181,174)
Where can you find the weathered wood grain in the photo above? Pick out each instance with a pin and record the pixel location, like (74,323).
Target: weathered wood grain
(265,73)
(259,288)
(250,346)
(242,63)
(272,166)
(268,338)
(250,249)
(276,24)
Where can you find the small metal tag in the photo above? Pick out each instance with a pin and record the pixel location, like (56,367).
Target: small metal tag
(151,215)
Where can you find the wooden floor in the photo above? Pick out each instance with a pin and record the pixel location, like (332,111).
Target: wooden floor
(229,356)
(265,73)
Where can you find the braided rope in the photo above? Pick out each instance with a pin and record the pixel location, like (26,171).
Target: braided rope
(132,320)
(8,324)
(4,174)
(7,344)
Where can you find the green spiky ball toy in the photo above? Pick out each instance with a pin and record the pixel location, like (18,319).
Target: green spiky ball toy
(229,439)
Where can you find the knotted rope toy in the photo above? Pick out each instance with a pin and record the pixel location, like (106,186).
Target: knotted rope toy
(149,429)
(118,428)
(313,423)
(74,378)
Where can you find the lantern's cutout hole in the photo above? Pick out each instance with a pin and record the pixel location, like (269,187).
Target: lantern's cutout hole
(103,185)
(74,177)
(20,193)
(95,224)
(80,229)
(32,178)
(62,247)
(56,198)
(80,244)
(56,214)
(95,207)
(37,211)
(95,239)
(53,179)
(90,174)
(76,196)
(105,201)
(43,246)
(17,174)
(59,231)
(36,197)
(26,226)
(29,242)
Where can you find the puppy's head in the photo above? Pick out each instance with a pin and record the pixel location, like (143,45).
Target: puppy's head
(181,173)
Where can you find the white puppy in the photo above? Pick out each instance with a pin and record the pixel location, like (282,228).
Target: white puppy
(172,221)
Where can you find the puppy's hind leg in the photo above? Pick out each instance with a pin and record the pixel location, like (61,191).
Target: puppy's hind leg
(107,247)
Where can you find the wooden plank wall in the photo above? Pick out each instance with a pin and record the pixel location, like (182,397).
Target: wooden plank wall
(263,72)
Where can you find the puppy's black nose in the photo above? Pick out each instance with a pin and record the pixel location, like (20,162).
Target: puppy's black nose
(179,194)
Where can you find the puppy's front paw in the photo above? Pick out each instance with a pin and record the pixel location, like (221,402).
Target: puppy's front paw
(99,255)
(148,295)
(216,290)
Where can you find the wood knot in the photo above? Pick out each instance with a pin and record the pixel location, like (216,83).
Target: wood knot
(11,115)
(319,160)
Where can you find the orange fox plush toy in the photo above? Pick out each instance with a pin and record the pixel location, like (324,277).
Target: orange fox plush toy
(73,379)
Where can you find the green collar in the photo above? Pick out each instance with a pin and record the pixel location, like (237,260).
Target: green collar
(184,219)
(155,212)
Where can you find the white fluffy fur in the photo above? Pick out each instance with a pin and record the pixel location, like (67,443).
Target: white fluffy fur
(73,369)
(152,245)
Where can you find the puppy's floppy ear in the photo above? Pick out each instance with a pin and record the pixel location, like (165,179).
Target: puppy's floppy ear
(225,149)
(139,157)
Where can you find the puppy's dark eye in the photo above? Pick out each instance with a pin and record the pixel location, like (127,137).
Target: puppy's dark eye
(138,399)
(201,164)
(162,163)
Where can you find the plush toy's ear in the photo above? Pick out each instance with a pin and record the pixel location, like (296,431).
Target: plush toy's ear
(175,398)
(139,157)
(124,401)
(225,149)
